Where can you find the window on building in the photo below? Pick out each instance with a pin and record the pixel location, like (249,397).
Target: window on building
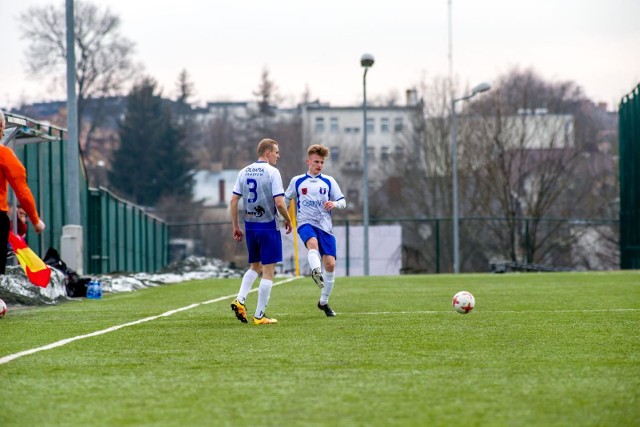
(353,164)
(398,124)
(384,153)
(371,124)
(399,153)
(384,124)
(371,153)
(319,124)
(335,153)
(333,125)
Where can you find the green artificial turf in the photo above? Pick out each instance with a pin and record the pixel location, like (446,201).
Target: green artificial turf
(541,349)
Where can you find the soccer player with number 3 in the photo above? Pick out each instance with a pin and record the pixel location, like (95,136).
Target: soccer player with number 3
(260,187)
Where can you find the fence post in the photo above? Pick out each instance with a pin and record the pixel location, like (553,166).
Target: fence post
(438,246)
(94,242)
(348,257)
(527,242)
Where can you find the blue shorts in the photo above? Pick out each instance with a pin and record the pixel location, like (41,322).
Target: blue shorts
(326,241)
(264,246)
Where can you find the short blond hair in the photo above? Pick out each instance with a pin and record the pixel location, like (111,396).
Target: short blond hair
(265,145)
(318,149)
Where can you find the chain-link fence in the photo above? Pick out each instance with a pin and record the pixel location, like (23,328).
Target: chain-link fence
(425,245)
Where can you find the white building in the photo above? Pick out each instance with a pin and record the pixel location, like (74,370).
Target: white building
(341,129)
(213,188)
(537,129)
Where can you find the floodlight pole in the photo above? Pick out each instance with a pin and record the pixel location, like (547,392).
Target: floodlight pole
(366,61)
(72,157)
(71,244)
(482,87)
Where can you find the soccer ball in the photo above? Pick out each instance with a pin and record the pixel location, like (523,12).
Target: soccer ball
(463,302)
(3,309)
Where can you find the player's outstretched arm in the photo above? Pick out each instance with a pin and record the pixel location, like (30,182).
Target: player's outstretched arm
(282,208)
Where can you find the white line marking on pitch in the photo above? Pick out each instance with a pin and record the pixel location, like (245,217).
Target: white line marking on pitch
(66,341)
(604,310)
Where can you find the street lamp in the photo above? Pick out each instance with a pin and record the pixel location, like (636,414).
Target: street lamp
(366,61)
(482,87)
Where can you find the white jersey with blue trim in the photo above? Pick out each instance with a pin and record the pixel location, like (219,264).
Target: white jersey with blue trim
(258,184)
(311,192)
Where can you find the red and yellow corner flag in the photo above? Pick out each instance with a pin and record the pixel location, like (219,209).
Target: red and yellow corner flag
(37,271)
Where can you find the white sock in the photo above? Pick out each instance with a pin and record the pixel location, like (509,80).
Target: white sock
(315,261)
(264,292)
(247,281)
(329,280)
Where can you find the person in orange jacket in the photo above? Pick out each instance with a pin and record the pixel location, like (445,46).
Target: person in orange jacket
(13,173)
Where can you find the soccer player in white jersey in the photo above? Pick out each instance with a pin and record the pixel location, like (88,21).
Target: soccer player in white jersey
(316,195)
(260,187)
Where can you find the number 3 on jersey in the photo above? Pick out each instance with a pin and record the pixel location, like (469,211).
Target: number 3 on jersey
(253,194)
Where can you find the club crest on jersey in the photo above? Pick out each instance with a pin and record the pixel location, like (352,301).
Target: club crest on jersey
(304,191)
(323,191)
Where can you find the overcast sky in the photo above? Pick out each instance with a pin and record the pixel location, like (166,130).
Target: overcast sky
(224,45)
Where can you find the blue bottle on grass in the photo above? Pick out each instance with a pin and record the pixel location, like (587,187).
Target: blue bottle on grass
(94,289)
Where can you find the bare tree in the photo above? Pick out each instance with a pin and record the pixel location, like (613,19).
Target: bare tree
(391,99)
(185,88)
(422,157)
(267,94)
(306,95)
(194,131)
(265,123)
(103,55)
(222,138)
(231,138)
(419,171)
(519,161)
(523,175)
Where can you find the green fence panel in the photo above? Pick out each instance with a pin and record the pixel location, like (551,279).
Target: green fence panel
(44,177)
(117,235)
(629,131)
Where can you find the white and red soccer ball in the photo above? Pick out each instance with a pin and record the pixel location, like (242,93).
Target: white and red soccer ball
(463,302)
(3,309)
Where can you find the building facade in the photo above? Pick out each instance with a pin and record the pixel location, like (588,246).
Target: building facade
(341,130)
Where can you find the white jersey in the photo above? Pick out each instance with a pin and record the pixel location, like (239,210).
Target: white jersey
(310,193)
(258,184)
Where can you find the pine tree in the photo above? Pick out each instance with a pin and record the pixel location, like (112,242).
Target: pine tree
(174,164)
(152,160)
(184,88)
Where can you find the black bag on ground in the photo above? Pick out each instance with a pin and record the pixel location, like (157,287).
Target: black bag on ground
(76,286)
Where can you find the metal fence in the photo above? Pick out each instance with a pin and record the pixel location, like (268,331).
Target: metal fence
(118,236)
(122,236)
(629,130)
(487,243)
(425,245)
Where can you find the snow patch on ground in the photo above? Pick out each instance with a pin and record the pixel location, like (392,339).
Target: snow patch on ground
(15,288)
